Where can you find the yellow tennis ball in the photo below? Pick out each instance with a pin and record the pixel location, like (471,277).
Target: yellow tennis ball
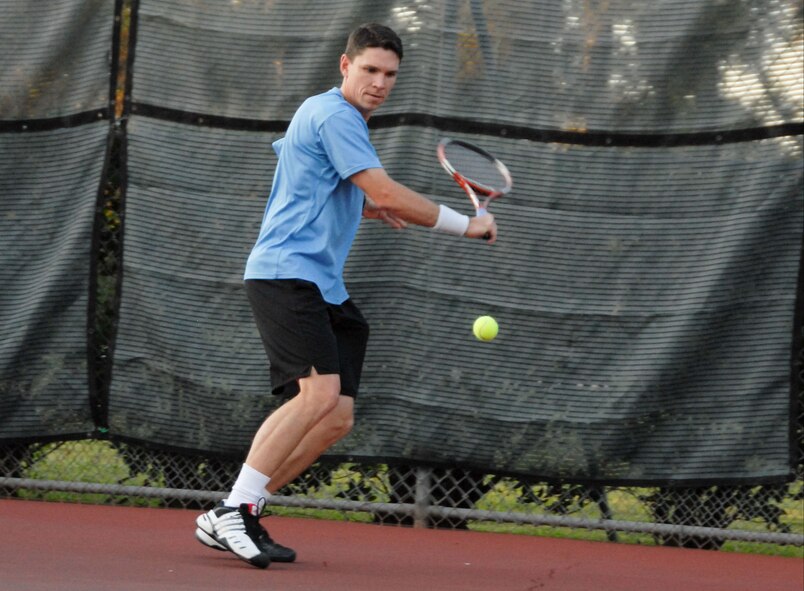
(485,328)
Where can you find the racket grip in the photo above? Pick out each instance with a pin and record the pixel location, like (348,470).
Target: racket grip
(482,211)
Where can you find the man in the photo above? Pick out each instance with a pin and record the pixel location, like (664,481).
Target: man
(327,177)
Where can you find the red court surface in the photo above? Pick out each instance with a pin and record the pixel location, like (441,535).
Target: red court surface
(67,547)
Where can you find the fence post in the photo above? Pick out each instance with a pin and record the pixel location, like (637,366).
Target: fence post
(422,499)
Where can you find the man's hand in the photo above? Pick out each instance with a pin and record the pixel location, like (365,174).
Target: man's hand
(373,212)
(482,226)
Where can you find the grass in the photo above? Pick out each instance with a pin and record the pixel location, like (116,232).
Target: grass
(84,461)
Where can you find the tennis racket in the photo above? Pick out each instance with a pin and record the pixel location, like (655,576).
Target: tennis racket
(475,170)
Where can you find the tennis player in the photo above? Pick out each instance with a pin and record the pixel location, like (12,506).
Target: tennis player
(328,176)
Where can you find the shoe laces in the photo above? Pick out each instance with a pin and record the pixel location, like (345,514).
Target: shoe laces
(250,513)
(254,509)
(264,535)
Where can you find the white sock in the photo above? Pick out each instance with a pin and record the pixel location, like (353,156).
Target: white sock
(248,488)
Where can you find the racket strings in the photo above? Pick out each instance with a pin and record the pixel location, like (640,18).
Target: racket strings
(475,167)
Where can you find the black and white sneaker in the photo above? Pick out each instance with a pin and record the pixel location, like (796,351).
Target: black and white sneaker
(276,552)
(235,530)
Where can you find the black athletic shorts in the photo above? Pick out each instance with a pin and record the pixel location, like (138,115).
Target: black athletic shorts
(301,331)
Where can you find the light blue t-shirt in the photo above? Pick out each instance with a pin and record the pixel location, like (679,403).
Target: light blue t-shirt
(314,211)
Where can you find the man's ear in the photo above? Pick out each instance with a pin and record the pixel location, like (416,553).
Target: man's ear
(344,64)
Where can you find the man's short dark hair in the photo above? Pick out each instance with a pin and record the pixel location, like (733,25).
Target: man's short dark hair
(373,35)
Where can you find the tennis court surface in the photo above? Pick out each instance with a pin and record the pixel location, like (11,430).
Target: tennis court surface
(68,547)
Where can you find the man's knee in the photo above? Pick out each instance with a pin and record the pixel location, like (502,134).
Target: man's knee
(341,420)
(320,392)
(343,425)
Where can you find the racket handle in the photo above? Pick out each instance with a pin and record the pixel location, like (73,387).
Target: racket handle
(482,211)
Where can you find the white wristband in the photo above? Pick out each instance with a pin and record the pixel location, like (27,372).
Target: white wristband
(451,222)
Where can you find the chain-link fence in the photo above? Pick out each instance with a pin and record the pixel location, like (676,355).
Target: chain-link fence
(106,470)
(97,470)
(704,517)
(103,471)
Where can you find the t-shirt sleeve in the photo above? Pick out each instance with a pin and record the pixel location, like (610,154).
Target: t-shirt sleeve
(346,141)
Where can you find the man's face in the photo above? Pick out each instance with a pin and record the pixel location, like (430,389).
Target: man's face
(369,78)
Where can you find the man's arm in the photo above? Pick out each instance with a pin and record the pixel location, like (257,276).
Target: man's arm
(395,197)
(374,212)
(413,207)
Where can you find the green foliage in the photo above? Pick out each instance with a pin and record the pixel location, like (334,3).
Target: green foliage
(720,507)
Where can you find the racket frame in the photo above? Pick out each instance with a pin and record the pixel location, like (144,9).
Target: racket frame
(471,187)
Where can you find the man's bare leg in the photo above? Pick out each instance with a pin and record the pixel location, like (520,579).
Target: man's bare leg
(293,436)
(329,430)
(283,431)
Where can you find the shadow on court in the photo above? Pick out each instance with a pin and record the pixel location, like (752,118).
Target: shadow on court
(68,547)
